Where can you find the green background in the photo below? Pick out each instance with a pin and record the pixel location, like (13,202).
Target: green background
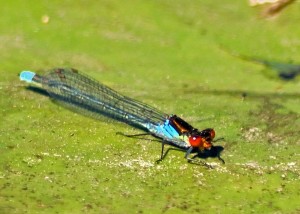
(169,54)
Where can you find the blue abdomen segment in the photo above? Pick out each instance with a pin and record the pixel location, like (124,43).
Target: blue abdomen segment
(163,130)
(167,132)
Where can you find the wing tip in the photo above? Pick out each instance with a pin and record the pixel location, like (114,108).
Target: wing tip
(27,76)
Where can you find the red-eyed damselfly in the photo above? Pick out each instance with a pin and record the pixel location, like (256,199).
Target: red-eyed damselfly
(69,86)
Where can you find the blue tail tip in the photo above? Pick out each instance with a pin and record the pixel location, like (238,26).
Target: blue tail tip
(27,76)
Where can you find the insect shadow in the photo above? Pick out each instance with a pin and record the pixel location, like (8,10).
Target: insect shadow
(82,108)
(214,152)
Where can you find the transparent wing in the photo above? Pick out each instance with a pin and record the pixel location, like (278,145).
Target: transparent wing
(77,90)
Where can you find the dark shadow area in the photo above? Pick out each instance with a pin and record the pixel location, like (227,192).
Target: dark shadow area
(38,91)
(82,108)
(214,152)
(242,94)
(284,70)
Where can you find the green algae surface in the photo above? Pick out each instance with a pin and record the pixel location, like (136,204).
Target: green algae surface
(166,54)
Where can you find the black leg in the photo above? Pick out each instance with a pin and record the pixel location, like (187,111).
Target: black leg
(193,161)
(133,135)
(164,154)
(188,152)
(219,139)
(137,136)
(162,150)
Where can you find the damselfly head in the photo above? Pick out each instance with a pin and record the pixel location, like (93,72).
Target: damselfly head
(202,139)
(208,134)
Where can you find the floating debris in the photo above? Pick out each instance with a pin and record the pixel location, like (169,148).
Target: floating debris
(45,19)
(271,7)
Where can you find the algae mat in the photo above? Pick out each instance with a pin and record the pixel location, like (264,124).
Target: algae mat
(170,55)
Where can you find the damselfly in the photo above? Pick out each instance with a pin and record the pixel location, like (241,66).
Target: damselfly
(75,89)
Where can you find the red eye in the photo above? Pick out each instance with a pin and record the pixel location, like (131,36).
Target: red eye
(195,141)
(212,134)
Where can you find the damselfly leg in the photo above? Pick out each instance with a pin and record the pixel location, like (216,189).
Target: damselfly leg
(137,136)
(219,139)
